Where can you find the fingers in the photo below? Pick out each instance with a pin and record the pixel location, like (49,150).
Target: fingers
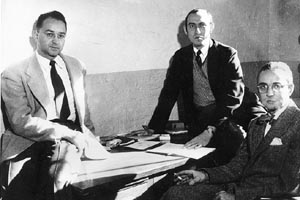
(186,177)
(193,146)
(182,180)
(222,195)
(194,143)
(79,141)
(183,177)
(185,172)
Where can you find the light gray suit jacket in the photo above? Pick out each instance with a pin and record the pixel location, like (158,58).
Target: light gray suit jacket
(25,95)
(265,165)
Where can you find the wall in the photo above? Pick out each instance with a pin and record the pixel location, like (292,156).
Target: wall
(130,35)
(127,44)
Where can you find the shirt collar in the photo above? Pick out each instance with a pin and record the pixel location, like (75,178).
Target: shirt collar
(204,49)
(45,62)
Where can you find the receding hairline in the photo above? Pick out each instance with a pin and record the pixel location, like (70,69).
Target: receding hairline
(277,66)
(200,12)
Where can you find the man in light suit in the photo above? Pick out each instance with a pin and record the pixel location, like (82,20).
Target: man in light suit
(268,162)
(48,127)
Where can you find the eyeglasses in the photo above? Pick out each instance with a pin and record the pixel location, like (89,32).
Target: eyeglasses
(263,87)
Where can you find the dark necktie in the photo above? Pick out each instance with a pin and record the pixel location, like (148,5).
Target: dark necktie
(198,58)
(266,118)
(59,89)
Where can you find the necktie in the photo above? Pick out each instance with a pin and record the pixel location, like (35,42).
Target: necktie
(198,58)
(266,118)
(59,89)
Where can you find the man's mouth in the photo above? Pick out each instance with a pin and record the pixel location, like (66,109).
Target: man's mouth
(199,37)
(54,48)
(270,101)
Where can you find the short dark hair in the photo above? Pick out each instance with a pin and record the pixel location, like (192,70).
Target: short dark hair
(195,11)
(283,67)
(53,14)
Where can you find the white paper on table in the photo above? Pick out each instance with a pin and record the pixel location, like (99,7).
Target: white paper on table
(180,150)
(143,145)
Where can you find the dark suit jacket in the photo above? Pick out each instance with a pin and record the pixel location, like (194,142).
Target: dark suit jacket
(225,78)
(265,165)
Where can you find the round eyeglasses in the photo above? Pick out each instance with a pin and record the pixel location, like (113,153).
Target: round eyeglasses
(263,87)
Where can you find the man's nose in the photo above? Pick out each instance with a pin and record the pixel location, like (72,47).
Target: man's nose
(55,39)
(270,91)
(198,29)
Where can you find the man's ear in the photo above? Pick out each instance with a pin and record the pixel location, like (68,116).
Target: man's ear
(291,88)
(212,27)
(35,34)
(185,29)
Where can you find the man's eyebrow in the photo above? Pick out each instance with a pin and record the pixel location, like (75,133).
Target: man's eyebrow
(262,83)
(276,82)
(49,30)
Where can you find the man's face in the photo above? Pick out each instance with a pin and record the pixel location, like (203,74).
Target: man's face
(51,38)
(278,90)
(199,28)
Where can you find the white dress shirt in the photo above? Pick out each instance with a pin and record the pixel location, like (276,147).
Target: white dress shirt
(53,110)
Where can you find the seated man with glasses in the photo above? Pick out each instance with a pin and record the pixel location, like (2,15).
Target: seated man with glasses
(268,161)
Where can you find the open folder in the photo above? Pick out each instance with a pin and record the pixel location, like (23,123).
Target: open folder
(180,150)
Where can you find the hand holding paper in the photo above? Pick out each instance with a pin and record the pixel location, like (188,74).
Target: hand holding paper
(94,150)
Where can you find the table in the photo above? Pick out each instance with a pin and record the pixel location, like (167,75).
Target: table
(125,175)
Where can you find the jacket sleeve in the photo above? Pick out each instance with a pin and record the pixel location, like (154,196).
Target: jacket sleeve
(230,91)
(231,171)
(167,98)
(87,118)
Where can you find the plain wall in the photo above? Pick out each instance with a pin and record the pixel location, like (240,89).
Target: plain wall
(129,35)
(127,44)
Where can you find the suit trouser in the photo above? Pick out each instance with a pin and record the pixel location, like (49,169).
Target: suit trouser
(194,192)
(33,173)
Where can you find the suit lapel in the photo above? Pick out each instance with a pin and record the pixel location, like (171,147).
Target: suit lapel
(256,137)
(187,70)
(76,78)
(212,65)
(36,81)
(277,129)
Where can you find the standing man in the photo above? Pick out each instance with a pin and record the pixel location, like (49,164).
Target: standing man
(268,162)
(49,127)
(209,77)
